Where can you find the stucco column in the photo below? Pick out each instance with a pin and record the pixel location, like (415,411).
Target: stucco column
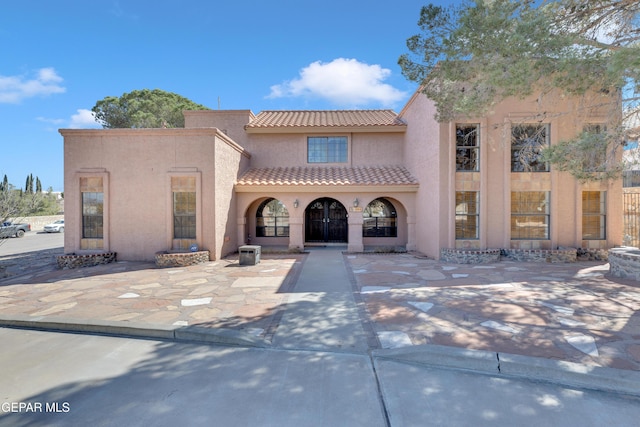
(411,237)
(355,231)
(242,222)
(296,234)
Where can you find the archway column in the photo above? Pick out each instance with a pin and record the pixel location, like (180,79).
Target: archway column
(355,232)
(296,232)
(242,225)
(412,232)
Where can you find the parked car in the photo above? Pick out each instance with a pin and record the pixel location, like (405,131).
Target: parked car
(55,227)
(9,229)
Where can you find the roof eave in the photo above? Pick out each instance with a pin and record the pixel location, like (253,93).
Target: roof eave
(335,188)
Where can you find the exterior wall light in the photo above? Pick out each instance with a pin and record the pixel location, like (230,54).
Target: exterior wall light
(356,202)
(295,203)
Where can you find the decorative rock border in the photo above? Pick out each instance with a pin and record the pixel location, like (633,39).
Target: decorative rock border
(541,255)
(181,259)
(470,256)
(593,254)
(624,262)
(486,256)
(84,260)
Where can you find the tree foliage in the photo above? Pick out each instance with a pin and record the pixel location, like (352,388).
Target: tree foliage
(470,57)
(16,203)
(143,109)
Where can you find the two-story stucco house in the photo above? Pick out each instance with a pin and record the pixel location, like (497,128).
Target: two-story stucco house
(361,178)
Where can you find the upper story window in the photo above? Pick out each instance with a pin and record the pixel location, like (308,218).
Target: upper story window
(467,148)
(527,143)
(327,149)
(595,160)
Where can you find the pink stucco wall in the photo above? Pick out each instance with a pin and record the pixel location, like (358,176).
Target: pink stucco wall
(136,165)
(430,156)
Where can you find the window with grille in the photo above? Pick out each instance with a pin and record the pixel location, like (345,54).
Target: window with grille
(527,143)
(467,215)
(92,215)
(184,215)
(530,215)
(594,215)
(379,219)
(327,149)
(272,219)
(595,159)
(467,148)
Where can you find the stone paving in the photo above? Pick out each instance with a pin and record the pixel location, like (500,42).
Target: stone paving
(573,312)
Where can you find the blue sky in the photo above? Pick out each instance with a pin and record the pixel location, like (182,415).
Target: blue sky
(60,57)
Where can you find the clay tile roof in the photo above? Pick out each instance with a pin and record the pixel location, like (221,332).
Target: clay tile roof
(314,175)
(325,118)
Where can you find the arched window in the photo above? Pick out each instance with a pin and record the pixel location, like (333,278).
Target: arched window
(272,219)
(379,219)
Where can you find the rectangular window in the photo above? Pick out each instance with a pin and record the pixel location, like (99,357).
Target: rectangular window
(184,215)
(327,149)
(467,215)
(594,215)
(529,215)
(467,148)
(527,143)
(92,215)
(596,159)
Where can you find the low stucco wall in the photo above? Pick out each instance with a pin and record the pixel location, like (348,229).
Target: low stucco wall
(625,263)
(38,222)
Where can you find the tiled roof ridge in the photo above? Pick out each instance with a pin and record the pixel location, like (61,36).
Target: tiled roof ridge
(302,110)
(326,118)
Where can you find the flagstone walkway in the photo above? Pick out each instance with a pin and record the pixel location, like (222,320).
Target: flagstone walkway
(572,312)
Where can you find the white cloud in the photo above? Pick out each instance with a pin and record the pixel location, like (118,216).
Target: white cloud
(83,119)
(14,89)
(344,82)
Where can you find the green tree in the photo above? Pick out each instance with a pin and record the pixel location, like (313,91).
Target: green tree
(144,109)
(28,186)
(470,57)
(15,203)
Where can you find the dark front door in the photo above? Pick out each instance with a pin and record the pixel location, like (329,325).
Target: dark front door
(326,221)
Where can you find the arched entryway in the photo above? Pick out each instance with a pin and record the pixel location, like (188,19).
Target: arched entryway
(326,222)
